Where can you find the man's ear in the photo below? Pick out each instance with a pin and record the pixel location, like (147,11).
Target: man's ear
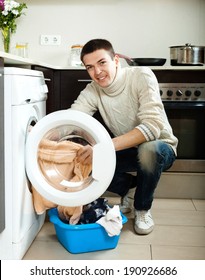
(116,59)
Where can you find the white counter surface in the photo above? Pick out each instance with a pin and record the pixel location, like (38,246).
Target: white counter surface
(17,60)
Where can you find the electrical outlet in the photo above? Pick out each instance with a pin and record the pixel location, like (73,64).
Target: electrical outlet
(55,40)
(50,40)
(44,40)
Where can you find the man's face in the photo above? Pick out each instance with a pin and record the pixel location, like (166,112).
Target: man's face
(100,66)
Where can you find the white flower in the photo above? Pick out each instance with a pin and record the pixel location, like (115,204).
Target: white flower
(10,5)
(15,12)
(14,4)
(5,13)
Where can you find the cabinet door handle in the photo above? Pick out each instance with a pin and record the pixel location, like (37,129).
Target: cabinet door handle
(46,79)
(84,80)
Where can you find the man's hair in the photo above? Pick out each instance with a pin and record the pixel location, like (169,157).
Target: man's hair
(97,44)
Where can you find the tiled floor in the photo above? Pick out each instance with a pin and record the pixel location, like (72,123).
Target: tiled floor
(179,234)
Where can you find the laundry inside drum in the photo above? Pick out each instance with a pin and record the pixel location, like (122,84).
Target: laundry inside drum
(57,158)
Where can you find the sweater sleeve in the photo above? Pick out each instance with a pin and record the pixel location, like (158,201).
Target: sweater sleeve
(150,108)
(87,100)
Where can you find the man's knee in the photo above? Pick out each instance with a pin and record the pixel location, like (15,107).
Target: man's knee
(147,154)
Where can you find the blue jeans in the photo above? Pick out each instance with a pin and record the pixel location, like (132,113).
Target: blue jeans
(148,160)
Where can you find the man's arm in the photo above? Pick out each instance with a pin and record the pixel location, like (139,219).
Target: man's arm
(125,141)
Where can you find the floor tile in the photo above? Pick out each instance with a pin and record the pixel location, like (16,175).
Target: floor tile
(166,235)
(178,253)
(113,200)
(46,250)
(174,204)
(174,217)
(47,233)
(161,203)
(55,251)
(178,217)
(199,204)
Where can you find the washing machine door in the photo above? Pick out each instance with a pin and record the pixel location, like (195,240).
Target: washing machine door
(50,158)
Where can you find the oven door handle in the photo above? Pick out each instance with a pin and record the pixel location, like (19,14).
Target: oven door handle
(183,105)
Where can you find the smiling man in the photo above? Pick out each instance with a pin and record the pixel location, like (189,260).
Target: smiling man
(129,102)
(101,66)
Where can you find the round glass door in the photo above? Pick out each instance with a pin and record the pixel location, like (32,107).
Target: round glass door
(51,161)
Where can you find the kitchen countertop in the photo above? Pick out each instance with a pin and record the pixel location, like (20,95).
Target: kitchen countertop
(17,60)
(26,62)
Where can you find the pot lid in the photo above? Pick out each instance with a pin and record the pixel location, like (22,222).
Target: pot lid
(187,45)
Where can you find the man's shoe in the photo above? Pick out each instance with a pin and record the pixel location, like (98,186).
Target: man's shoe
(127,201)
(144,223)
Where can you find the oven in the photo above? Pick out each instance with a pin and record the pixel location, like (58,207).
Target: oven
(185,107)
(183,95)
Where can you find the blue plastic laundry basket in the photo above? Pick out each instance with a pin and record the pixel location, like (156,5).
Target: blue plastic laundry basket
(83,238)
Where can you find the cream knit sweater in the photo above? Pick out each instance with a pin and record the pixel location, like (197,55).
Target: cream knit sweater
(132,100)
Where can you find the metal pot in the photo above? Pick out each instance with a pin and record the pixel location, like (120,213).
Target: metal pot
(187,55)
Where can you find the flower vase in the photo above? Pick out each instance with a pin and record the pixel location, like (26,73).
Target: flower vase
(6,34)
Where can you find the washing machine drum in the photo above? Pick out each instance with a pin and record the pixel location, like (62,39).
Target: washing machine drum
(51,163)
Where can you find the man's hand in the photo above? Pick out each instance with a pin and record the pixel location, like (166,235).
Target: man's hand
(85,155)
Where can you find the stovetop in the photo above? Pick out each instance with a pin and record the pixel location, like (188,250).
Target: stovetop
(182,91)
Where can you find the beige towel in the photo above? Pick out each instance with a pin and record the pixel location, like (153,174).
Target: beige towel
(71,214)
(61,158)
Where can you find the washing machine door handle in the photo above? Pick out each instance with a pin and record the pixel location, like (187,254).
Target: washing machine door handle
(100,158)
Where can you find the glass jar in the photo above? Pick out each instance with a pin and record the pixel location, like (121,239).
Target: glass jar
(75,55)
(21,49)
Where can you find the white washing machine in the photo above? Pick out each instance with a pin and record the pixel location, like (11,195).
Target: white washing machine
(25,94)
(24,105)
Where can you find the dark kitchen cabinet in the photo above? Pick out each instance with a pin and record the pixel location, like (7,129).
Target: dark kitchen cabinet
(64,86)
(72,82)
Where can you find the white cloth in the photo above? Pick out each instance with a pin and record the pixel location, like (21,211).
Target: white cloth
(134,90)
(112,221)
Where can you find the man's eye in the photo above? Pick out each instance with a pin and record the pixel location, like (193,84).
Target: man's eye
(103,62)
(88,67)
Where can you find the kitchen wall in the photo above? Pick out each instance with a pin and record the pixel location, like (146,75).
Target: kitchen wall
(138,28)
